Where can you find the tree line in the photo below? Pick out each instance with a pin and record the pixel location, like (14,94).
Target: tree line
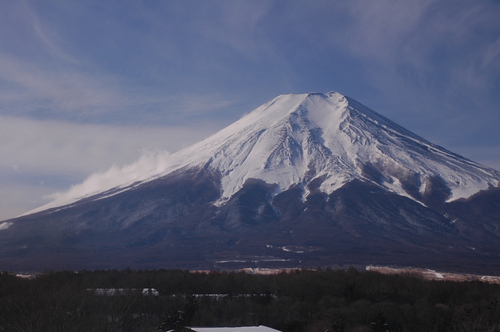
(301,300)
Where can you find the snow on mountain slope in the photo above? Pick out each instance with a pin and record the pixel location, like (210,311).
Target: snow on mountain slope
(296,138)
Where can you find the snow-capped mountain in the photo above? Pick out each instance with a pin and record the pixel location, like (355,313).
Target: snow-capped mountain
(296,138)
(304,180)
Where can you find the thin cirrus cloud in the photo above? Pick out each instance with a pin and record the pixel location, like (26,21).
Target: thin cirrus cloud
(435,49)
(28,89)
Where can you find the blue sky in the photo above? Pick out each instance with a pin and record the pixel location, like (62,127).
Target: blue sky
(85,85)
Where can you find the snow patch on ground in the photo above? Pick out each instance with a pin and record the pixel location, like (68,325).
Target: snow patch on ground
(433,275)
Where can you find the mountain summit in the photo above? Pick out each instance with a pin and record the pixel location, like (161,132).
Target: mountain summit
(295,139)
(298,138)
(313,179)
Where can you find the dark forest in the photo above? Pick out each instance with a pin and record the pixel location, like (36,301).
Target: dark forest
(302,300)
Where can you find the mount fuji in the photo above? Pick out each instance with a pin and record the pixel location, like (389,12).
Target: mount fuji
(304,180)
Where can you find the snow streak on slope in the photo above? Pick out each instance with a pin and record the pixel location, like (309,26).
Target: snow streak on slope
(296,138)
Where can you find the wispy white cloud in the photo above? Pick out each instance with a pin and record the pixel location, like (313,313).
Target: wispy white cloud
(38,158)
(24,35)
(50,75)
(150,163)
(28,88)
(42,33)
(77,96)
(237,26)
(68,147)
(457,45)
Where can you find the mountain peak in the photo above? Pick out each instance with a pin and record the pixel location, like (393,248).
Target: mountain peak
(296,138)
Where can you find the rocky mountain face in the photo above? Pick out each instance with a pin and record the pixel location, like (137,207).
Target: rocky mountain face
(303,181)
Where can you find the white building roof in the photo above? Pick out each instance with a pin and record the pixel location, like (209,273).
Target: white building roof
(260,328)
